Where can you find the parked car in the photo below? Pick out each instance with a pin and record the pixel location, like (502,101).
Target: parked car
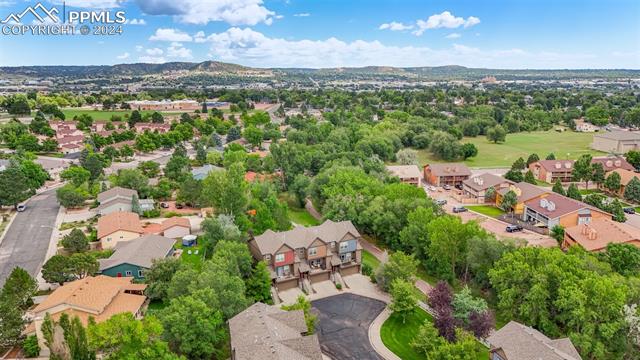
(441,202)
(629,210)
(21,208)
(164,205)
(179,206)
(513,228)
(446,187)
(459,186)
(432,188)
(459,209)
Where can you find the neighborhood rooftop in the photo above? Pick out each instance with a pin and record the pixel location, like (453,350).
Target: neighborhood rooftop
(139,252)
(120,220)
(484,181)
(619,135)
(449,169)
(520,342)
(405,171)
(554,205)
(116,192)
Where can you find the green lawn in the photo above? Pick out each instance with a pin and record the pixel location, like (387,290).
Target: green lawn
(397,336)
(522,145)
(368,258)
(301,217)
(195,260)
(104,115)
(487,210)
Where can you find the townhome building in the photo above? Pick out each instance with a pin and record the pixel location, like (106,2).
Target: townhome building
(550,171)
(309,253)
(446,174)
(408,174)
(476,189)
(551,209)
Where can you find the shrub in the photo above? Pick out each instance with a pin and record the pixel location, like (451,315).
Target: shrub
(367,269)
(151,213)
(338,286)
(170,214)
(30,346)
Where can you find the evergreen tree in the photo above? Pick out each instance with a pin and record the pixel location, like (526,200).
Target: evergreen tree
(573,192)
(557,188)
(528,177)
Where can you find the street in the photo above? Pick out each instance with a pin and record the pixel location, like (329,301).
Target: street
(27,240)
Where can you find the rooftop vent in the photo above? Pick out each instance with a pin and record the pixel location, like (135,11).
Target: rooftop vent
(558,165)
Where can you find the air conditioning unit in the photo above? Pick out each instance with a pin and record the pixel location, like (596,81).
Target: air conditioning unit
(543,203)
(551,206)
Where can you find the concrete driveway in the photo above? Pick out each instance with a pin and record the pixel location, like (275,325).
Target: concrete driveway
(343,326)
(26,241)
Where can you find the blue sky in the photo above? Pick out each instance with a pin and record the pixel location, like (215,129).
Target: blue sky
(331,33)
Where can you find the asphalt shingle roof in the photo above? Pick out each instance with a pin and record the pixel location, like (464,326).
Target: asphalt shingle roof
(139,252)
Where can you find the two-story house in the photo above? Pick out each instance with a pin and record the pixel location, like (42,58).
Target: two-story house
(309,253)
(551,209)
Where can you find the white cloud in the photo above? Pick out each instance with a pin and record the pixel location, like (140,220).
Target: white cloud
(199,37)
(170,35)
(123,56)
(444,20)
(152,59)
(6,3)
(395,26)
(453,36)
(302,15)
(234,12)
(176,50)
(139,47)
(136,22)
(94,4)
(154,52)
(252,48)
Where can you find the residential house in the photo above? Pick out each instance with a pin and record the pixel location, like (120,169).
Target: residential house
(117,227)
(54,166)
(99,297)
(175,227)
(551,209)
(70,148)
(408,174)
(583,126)
(133,258)
(476,187)
(618,142)
(266,332)
(152,127)
(596,235)
(200,173)
(61,124)
(524,192)
(550,171)
(446,174)
(515,341)
(147,204)
(309,253)
(610,163)
(625,177)
(70,144)
(115,199)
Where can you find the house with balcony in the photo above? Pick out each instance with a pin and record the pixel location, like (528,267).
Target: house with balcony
(408,174)
(524,192)
(551,209)
(309,253)
(551,170)
(476,188)
(446,174)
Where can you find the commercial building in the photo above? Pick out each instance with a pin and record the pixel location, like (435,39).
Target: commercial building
(617,142)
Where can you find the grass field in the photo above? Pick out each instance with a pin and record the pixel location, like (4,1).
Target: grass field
(301,217)
(397,336)
(487,210)
(368,258)
(522,145)
(195,260)
(104,115)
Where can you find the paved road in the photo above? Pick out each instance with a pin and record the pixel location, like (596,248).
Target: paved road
(343,325)
(27,239)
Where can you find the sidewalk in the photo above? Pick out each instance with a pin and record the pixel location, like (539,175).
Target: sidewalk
(376,340)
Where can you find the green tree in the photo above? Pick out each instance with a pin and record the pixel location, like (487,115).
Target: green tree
(132,179)
(76,175)
(612,182)
(414,237)
(149,169)
(557,188)
(583,170)
(557,232)
(227,191)
(399,266)
(303,304)
(134,118)
(532,158)
(56,270)
(449,244)
(464,303)
(427,340)
(519,165)
(508,201)
(497,134)
(70,196)
(623,258)
(20,287)
(159,276)
(631,191)
(469,150)
(14,186)
(177,167)
(403,298)
(573,192)
(551,156)
(529,178)
(633,157)
(598,173)
(76,241)
(31,347)
(253,135)
(11,321)
(514,175)
(259,284)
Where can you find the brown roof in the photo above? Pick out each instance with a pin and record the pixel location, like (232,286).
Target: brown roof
(449,169)
(625,175)
(554,205)
(119,220)
(175,221)
(404,171)
(610,163)
(524,191)
(70,139)
(302,237)
(596,236)
(485,181)
(115,192)
(557,165)
(619,135)
(264,332)
(100,296)
(520,342)
(139,252)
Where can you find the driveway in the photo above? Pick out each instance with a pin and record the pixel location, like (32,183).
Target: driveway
(343,326)
(27,239)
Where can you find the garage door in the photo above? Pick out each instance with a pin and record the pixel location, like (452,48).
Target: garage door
(350,270)
(288,284)
(324,276)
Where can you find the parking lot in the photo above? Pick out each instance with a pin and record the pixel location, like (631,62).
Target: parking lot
(343,325)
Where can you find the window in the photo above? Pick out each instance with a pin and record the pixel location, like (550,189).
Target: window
(315,263)
(346,257)
(128,273)
(279,257)
(140,273)
(283,271)
(313,251)
(344,246)
(267,257)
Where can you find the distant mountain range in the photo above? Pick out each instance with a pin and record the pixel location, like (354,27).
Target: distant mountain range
(221,68)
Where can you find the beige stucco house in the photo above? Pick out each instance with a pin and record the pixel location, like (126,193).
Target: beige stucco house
(117,227)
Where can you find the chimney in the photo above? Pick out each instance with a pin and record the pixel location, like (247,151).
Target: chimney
(585,229)
(593,234)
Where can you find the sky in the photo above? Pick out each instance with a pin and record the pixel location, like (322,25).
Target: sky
(506,34)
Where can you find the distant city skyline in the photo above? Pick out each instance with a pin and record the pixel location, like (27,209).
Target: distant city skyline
(527,34)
